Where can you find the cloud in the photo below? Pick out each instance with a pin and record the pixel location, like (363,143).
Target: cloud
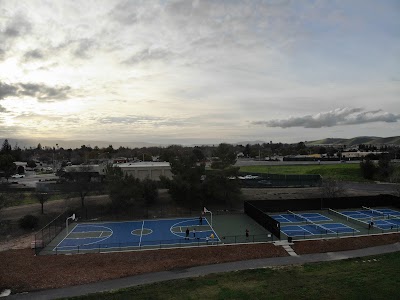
(124,13)
(33,55)
(2,109)
(41,92)
(83,47)
(17,27)
(337,117)
(7,90)
(148,55)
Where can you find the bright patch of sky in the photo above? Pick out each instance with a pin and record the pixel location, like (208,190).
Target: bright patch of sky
(199,71)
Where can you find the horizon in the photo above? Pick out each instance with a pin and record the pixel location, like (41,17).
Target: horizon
(207,71)
(140,144)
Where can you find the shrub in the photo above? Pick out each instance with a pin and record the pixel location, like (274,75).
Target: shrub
(28,222)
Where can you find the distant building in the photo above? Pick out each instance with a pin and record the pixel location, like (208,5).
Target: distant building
(151,170)
(140,170)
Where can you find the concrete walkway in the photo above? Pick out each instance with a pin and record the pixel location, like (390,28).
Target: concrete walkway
(201,271)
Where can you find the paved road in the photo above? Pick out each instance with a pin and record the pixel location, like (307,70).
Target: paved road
(201,271)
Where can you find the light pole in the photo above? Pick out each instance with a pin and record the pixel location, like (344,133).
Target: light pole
(69,218)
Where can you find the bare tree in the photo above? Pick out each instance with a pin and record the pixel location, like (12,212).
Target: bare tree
(42,197)
(42,194)
(395,178)
(331,188)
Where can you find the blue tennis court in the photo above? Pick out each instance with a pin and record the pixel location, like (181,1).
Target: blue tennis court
(303,217)
(387,224)
(137,234)
(375,213)
(316,229)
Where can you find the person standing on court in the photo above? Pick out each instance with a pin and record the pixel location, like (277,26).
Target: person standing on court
(201,220)
(187,234)
(194,232)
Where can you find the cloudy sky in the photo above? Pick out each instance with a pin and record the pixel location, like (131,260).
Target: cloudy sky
(199,71)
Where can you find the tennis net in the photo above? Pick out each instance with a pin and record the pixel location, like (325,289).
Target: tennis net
(318,227)
(395,218)
(374,211)
(348,218)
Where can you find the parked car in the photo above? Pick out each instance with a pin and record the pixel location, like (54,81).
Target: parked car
(18,176)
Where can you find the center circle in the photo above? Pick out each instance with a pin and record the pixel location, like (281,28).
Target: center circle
(144,231)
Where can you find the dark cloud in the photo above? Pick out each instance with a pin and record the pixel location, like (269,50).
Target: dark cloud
(143,120)
(343,116)
(33,55)
(7,90)
(124,13)
(41,92)
(128,120)
(2,109)
(18,26)
(83,47)
(148,55)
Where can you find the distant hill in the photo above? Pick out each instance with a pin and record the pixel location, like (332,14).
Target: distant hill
(370,140)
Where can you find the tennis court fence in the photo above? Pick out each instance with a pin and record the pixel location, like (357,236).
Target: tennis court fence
(44,236)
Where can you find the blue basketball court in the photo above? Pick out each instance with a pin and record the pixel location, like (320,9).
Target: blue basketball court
(137,234)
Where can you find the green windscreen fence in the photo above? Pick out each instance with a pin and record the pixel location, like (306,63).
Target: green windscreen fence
(272,225)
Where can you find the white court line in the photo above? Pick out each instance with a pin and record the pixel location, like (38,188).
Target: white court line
(306,230)
(141,234)
(112,232)
(76,225)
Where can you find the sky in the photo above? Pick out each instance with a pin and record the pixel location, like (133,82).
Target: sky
(199,71)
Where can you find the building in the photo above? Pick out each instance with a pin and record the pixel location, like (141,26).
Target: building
(142,170)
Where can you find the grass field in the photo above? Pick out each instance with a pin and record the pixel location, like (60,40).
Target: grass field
(375,277)
(348,172)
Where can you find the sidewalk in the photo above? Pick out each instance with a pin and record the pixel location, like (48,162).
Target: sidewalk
(201,271)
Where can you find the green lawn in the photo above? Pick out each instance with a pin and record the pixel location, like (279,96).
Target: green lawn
(362,278)
(348,172)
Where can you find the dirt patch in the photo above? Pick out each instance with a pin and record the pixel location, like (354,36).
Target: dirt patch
(21,242)
(22,271)
(342,244)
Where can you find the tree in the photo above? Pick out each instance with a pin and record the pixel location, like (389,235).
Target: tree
(82,182)
(5,148)
(185,186)
(42,197)
(224,156)
(331,188)
(395,178)
(247,150)
(7,165)
(124,191)
(368,169)
(3,202)
(198,153)
(150,191)
(31,164)
(385,167)
(221,183)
